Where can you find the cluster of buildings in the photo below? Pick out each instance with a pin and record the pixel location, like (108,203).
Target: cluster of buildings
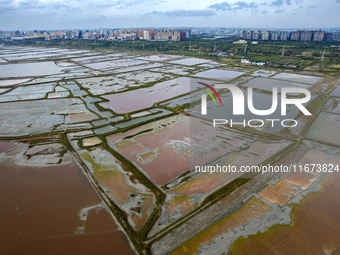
(300,35)
(318,36)
(176,34)
(152,34)
(104,34)
(216,32)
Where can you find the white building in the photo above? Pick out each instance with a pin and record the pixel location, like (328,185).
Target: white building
(146,35)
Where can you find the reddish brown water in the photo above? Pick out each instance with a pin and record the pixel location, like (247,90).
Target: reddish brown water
(4,146)
(316,226)
(39,213)
(143,98)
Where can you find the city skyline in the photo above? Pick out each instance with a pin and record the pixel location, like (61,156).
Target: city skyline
(61,14)
(173,34)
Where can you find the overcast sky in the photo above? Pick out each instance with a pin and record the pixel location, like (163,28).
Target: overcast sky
(74,14)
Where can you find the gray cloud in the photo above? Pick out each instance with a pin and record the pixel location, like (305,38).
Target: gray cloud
(77,4)
(282,2)
(16,14)
(29,3)
(277,3)
(5,2)
(183,13)
(243,5)
(240,5)
(66,9)
(224,6)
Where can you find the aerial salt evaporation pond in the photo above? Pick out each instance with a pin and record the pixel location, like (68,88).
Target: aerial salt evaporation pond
(271,206)
(41,116)
(116,64)
(121,82)
(29,69)
(51,208)
(327,125)
(146,97)
(158,57)
(336,92)
(190,61)
(297,78)
(315,220)
(167,148)
(122,186)
(39,53)
(40,169)
(269,84)
(219,74)
(27,93)
(12,82)
(174,69)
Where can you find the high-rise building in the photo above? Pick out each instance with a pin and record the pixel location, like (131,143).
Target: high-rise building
(283,35)
(318,36)
(69,35)
(274,35)
(80,34)
(146,35)
(256,35)
(251,34)
(244,33)
(295,35)
(248,35)
(265,35)
(168,34)
(186,33)
(336,36)
(327,37)
(260,34)
(306,35)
